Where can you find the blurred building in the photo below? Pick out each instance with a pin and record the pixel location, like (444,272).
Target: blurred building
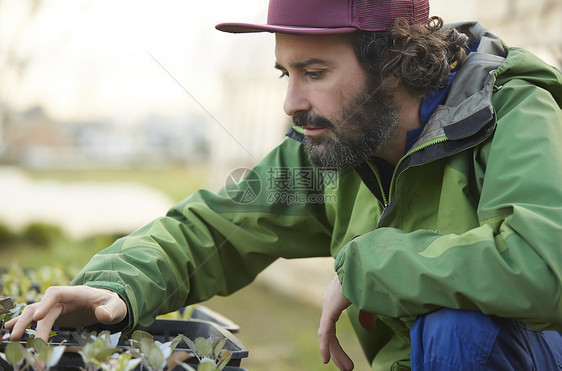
(33,139)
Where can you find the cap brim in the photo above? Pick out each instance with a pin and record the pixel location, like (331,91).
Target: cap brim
(293,30)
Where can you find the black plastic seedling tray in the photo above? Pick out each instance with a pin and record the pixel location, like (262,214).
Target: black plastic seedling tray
(166,329)
(203,313)
(162,330)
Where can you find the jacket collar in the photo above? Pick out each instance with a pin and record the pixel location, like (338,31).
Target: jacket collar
(468,106)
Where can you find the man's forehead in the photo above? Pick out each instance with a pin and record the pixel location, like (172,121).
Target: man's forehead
(319,39)
(298,49)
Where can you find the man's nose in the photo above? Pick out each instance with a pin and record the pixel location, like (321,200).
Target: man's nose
(296,99)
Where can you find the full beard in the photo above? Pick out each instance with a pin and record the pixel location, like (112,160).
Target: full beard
(367,125)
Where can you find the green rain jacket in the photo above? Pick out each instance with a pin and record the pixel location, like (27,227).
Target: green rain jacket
(472,219)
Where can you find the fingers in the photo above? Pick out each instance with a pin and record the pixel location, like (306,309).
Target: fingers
(51,297)
(19,324)
(112,312)
(45,324)
(340,358)
(44,313)
(330,347)
(69,306)
(333,304)
(36,312)
(325,332)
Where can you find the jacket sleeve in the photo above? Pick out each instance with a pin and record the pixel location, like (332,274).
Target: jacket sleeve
(214,244)
(511,264)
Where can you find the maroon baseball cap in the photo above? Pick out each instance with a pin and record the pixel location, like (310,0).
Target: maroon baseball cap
(324,17)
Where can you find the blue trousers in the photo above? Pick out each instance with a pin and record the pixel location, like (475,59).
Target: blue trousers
(454,340)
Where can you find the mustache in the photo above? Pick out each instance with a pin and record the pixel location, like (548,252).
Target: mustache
(306,119)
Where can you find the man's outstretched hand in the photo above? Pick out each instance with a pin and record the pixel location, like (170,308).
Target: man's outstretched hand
(69,306)
(333,304)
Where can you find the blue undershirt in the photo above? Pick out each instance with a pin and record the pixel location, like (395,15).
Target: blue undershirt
(428,105)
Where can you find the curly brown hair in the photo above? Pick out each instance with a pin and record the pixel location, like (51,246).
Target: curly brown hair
(420,57)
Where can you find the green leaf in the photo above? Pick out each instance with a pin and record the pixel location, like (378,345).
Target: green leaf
(105,354)
(138,336)
(37,344)
(98,351)
(152,354)
(6,303)
(43,355)
(203,347)
(175,342)
(191,345)
(15,353)
(218,347)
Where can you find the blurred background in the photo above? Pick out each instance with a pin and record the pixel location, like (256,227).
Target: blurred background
(112,111)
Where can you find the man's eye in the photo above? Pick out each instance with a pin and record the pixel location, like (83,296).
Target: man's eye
(314,74)
(284,74)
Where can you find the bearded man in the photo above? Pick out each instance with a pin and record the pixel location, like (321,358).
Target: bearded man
(445,218)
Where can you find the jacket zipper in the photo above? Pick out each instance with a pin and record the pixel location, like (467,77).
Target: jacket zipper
(379,181)
(383,195)
(388,201)
(410,152)
(423,146)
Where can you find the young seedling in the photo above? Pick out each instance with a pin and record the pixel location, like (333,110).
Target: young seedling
(98,350)
(37,354)
(42,356)
(122,362)
(8,310)
(15,355)
(209,352)
(155,355)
